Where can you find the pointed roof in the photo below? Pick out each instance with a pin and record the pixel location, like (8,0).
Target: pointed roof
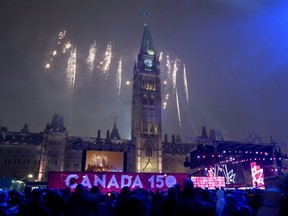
(25,129)
(178,139)
(146,40)
(114,133)
(204,133)
(57,123)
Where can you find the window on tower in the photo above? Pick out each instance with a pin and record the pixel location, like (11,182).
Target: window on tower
(145,100)
(151,101)
(148,151)
(150,85)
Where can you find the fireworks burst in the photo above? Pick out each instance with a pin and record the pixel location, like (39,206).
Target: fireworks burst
(71,69)
(169,83)
(170,87)
(61,36)
(119,75)
(169,64)
(55,52)
(185,83)
(107,58)
(66,47)
(91,57)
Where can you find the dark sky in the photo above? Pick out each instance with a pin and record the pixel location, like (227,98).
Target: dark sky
(235,55)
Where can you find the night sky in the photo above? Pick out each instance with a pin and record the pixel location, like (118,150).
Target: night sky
(235,54)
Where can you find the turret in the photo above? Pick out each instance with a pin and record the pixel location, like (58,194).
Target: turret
(115,133)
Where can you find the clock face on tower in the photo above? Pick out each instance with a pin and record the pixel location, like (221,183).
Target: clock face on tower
(150,52)
(148,62)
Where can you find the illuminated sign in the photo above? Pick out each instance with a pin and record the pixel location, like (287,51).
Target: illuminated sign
(114,181)
(208,182)
(257,175)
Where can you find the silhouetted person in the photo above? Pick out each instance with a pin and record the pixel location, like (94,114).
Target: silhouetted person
(55,203)
(15,203)
(220,201)
(135,203)
(168,206)
(284,199)
(230,208)
(84,203)
(188,204)
(35,206)
(3,203)
(271,202)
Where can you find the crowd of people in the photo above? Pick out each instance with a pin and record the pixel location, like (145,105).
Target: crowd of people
(180,200)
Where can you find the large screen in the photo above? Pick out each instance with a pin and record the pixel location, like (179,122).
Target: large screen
(104,161)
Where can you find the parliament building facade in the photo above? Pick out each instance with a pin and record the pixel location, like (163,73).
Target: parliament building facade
(30,156)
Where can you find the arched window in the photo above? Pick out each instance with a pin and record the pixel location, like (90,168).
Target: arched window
(148,150)
(151,101)
(145,100)
(150,85)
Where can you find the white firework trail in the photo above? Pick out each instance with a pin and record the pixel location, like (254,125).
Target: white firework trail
(168,82)
(168,65)
(165,84)
(71,75)
(66,47)
(71,69)
(160,56)
(165,88)
(47,65)
(165,101)
(178,110)
(107,58)
(164,105)
(91,57)
(174,73)
(185,83)
(61,35)
(119,75)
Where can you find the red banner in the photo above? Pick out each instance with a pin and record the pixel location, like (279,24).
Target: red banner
(114,181)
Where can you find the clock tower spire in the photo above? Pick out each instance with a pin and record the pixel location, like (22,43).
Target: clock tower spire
(146,130)
(147,45)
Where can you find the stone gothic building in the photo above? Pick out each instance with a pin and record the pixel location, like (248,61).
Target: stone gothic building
(30,156)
